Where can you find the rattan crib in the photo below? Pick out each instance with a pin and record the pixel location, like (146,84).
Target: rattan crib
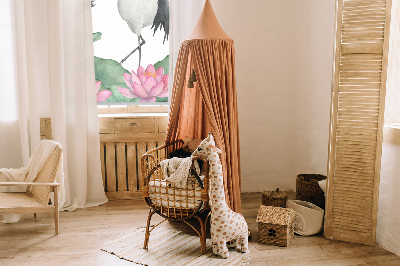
(170,202)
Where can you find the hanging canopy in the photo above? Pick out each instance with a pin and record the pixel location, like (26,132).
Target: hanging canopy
(211,105)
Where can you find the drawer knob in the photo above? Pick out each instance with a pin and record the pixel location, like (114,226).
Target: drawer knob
(133,124)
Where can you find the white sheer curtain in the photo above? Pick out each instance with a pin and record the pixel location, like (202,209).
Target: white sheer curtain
(53,76)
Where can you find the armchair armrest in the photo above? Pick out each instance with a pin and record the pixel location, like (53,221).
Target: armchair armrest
(29,184)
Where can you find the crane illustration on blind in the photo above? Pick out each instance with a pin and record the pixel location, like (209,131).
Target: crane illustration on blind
(140,14)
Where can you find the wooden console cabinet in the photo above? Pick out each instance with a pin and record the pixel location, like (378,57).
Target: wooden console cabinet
(123,141)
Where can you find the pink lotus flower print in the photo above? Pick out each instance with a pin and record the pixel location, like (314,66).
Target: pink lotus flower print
(103,94)
(146,84)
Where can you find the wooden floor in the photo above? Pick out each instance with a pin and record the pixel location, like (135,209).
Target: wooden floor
(83,232)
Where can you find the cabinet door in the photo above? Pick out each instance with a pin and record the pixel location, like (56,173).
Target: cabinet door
(358,97)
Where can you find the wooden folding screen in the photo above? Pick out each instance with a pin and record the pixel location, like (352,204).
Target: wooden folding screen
(358,97)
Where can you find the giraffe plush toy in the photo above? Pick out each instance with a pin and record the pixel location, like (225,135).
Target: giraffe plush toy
(226,225)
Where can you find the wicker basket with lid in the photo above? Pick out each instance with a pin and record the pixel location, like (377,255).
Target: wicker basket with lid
(274,198)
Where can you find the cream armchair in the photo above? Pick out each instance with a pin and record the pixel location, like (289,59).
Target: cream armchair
(36,197)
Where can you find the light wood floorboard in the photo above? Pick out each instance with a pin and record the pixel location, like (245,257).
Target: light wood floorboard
(83,232)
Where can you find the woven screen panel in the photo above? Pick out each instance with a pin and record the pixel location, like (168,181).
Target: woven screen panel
(356,119)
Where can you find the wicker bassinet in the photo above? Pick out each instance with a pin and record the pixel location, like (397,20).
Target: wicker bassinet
(175,203)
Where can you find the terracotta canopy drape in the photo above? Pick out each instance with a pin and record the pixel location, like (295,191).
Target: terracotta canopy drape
(211,106)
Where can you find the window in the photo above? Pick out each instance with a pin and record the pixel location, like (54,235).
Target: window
(131,51)
(392,108)
(8,99)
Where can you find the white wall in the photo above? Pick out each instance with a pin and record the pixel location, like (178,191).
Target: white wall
(388,227)
(284,52)
(314,60)
(264,33)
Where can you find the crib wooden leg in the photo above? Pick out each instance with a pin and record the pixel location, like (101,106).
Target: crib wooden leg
(147,235)
(203,236)
(203,232)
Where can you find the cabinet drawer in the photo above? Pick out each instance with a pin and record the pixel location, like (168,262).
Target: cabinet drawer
(134,125)
(162,124)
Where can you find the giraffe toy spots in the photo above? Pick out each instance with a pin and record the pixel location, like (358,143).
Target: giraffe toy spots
(226,225)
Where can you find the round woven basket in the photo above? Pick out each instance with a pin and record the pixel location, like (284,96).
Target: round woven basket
(309,217)
(308,189)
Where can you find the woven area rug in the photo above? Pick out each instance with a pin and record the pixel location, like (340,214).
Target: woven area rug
(167,247)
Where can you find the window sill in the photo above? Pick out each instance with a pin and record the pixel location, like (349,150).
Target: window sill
(133,115)
(132,110)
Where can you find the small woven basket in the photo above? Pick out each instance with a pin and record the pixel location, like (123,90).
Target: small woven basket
(308,189)
(274,198)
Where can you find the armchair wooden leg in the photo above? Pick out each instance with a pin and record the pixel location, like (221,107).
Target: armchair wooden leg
(147,235)
(56,212)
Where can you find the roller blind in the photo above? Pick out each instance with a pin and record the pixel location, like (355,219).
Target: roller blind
(358,97)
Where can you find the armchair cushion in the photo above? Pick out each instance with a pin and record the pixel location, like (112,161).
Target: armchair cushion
(16,199)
